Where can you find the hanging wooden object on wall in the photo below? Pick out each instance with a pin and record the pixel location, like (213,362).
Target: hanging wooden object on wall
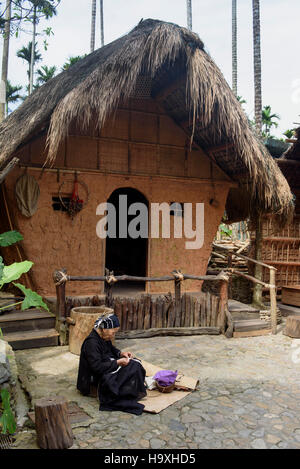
(76,204)
(27,194)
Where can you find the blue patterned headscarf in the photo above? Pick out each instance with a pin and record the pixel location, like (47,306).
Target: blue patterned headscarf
(110,321)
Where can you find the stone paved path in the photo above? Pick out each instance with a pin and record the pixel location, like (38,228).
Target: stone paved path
(248,395)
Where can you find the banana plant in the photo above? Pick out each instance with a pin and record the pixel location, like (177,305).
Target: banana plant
(11,273)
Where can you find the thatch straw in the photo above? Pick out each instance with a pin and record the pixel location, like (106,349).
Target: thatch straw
(97,84)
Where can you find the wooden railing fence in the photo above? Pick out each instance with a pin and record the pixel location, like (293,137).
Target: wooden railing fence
(149,315)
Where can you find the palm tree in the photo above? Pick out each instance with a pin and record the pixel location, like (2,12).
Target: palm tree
(257,65)
(41,8)
(101,23)
(45,74)
(71,61)
(93,25)
(5,54)
(268,120)
(234,47)
(26,54)
(12,94)
(257,290)
(189,15)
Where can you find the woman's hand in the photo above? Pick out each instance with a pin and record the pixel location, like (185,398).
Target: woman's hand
(123,361)
(126,354)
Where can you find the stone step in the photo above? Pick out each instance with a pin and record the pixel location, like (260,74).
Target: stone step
(32,339)
(31,319)
(250,325)
(287,310)
(241,311)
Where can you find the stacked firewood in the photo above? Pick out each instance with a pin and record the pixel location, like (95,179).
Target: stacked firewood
(222,255)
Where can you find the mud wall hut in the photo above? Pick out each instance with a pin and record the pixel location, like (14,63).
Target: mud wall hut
(149,116)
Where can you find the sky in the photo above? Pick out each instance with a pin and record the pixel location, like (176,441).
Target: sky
(280,25)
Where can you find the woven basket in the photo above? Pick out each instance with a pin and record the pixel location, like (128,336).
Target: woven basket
(165,388)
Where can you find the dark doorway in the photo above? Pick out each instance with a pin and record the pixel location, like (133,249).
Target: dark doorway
(127,255)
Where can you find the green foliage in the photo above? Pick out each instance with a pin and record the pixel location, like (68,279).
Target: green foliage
(268,121)
(71,61)
(10,273)
(32,299)
(7,419)
(14,271)
(12,94)
(45,74)
(225,230)
(9,238)
(290,133)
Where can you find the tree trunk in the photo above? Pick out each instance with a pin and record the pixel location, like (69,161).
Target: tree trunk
(101,23)
(258,271)
(234,47)
(32,53)
(189,15)
(5,55)
(52,423)
(257,292)
(257,66)
(93,25)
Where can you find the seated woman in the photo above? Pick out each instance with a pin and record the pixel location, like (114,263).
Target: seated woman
(119,376)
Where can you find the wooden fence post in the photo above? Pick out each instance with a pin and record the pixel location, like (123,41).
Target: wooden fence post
(60,279)
(273,302)
(224,279)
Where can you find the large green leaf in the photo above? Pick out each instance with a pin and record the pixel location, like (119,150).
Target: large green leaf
(14,271)
(9,238)
(32,299)
(7,420)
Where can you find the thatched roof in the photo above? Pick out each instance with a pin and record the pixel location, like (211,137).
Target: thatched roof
(196,96)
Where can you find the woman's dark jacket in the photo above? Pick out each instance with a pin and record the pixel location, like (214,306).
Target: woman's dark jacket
(95,360)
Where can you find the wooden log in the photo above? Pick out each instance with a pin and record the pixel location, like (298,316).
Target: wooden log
(118,310)
(187,310)
(135,314)
(273,301)
(153,314)
(183,308)
(168,331)
(214,309)
(292,328)
(203,310)
(124,314)
(140,322)
(230,325)
(147,318)
(52,423)
(208,309)
(197,313)
(5,172)
(130,315)
(159,312)
(177,302)
(171,314)
(223,303)
(166,306)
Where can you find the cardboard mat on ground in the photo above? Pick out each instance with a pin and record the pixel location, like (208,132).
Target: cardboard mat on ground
(156,401)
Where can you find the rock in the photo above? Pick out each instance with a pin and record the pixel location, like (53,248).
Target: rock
(273,439)
(258,444)
(156,443)
(5,373)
